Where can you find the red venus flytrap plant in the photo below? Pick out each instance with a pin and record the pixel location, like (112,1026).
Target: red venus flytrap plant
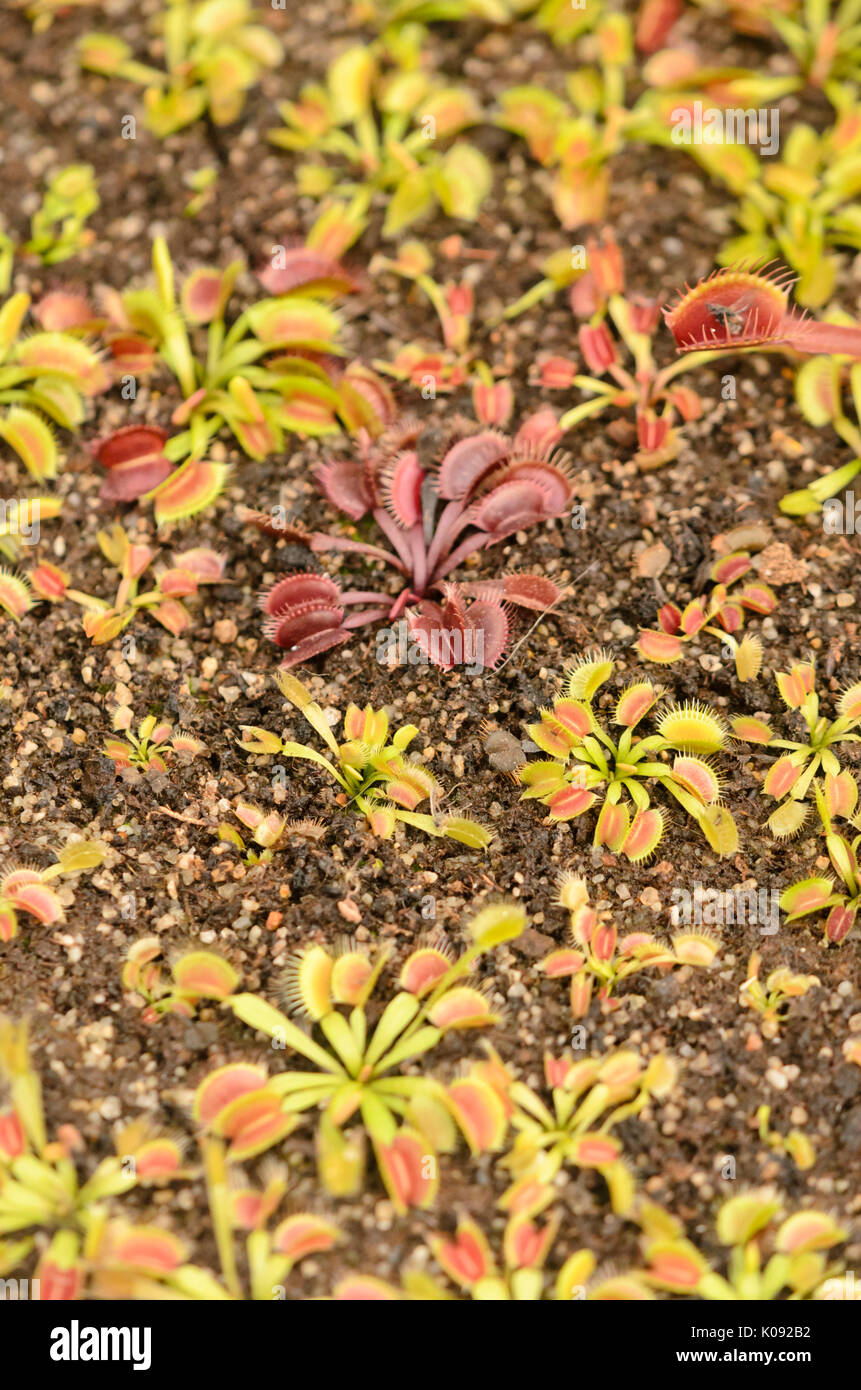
(739,309)
(597,956)
(25,889)
(358,1069)
(490,486)
(789,780)
(584,758)
(725,605)
(383,785)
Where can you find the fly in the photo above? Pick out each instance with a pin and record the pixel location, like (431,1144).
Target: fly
(729,316)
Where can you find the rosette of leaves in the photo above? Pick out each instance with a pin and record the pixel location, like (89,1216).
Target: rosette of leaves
(577,137)
(836,796)
(213,52)
(584,759)
(151,747)
(193,976)
(597,956)
(58,226)
(433,515)
(726,605)
(20,518)
(40,1189)
(103,621)
(599,298)
(765,1261)
(362,1068)
(770,1000)
(467,1259)
(790,779)
(819,389)
(588,1099)
(48,374)
(381,783)
(261,376)
(803,205)
(823,38)
(358,1066)
(25,889)
(378,126)
(146,1262)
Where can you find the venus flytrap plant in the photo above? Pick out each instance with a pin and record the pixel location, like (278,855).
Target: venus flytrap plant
(726,606)
(578,140)
(823,38)
(467,1260)
(151,747)
(597,956)
(790,779)
(794,1145)
(358,1068)
(797,1268)
(386,124)
(26,889)
(804,205)
(836,796)
(214,53)
(194,976)
(43,374)
(770,1000)
(103,621)
(267,831)
(819,387)
(40,1188)
(376,778)
(20,522)
(567,1131)
(653,393)
(584,758)
(433,515)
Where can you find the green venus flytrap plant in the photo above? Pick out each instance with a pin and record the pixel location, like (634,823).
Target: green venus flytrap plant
(213,51)
(720,613)
(770,1000)
(103,621)
(42,374)
(836,796)
(26,889)
(151,747)
(584,758)
(796,1268)
(359,1066)
(375,777)
(40,1189)
(387,123)
(598,957)
(588,1099)
(790,780)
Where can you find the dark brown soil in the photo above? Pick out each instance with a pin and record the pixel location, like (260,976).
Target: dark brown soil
(99,1062)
